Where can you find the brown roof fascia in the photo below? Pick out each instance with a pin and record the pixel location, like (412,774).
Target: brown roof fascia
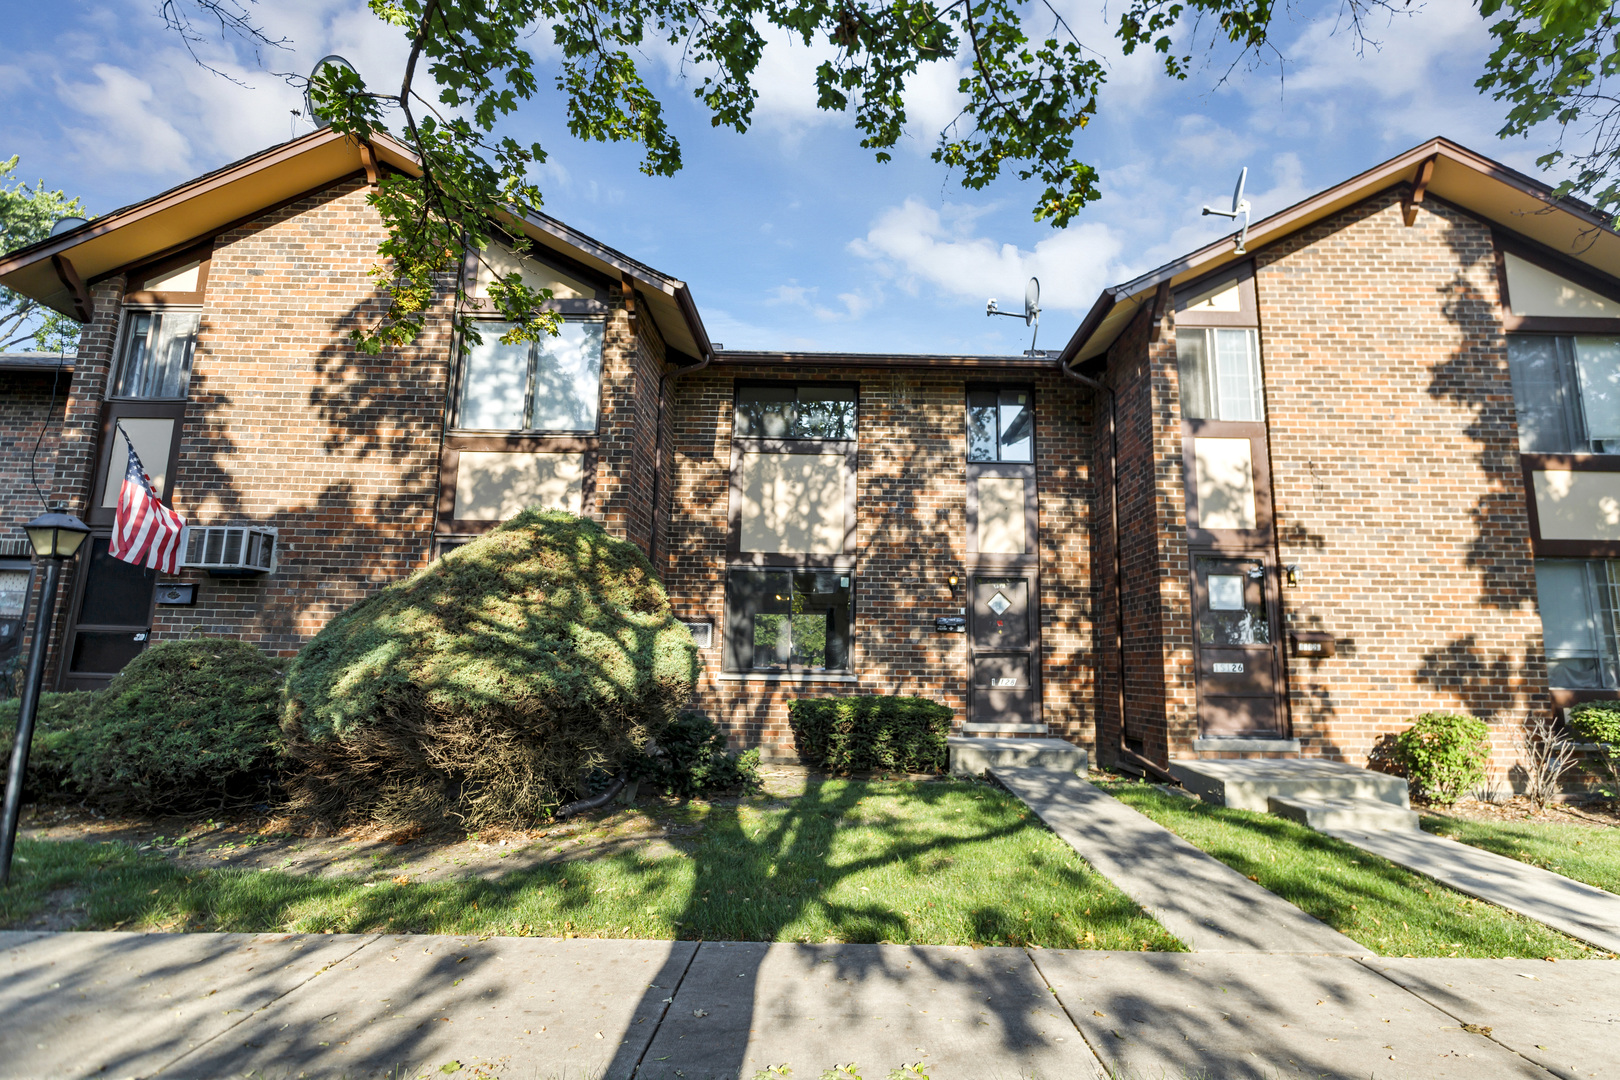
(743,357)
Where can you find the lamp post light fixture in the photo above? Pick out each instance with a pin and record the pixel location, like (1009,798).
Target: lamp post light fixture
(56,536)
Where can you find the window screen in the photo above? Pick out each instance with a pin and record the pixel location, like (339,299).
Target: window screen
(795,412)
(1578,621)
(155,355)
(1220,374)
(1001,425)
(788,620)
(552,385)
(1566,392)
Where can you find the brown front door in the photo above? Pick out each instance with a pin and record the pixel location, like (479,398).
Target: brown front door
(1003,681)
(112,619)
(1236,634)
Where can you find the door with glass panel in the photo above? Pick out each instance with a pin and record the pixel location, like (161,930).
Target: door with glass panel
(1235,635)
(114,617)
(1004,681)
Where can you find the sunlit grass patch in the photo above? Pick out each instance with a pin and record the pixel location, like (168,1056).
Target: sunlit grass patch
(1581,852)
(939,863)
(1385,907)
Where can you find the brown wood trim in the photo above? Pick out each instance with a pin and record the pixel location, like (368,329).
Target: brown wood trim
(478,306)
(84,307)
(1024,470)
(1545,324)
(523,444)
(1564,697)
(797,362)
(1161,301)
(1564,549)
(1505,307)
(368,161)
(1557,263)
(1260,462)
(1420,187)
(446,524)
(550,258)
(102,516)
(202,254)
(851,454)
(1248,313)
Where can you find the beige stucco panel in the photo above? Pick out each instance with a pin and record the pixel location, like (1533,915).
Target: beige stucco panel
(496,485)
(792,503)
(498,260)
(151,438)
(1534,291)
(1001,516)
(1225,483)
(1578,505)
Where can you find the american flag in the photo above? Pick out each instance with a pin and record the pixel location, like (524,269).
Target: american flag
(145,532)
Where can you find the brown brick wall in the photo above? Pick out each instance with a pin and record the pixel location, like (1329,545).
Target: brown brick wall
(31,412)
(910,535)
(1396,477)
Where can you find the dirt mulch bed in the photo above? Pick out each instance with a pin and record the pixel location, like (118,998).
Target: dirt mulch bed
(1520,809)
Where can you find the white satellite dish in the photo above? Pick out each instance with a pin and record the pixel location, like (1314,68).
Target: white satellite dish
(1032,309)
(1240,205)
(67,224)
(316,73)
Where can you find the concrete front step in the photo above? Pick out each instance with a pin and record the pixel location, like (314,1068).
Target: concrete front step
(1367,815)
(1247,784)
(1005,729)
(974,756)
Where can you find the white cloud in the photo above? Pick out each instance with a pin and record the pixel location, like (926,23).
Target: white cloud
(914,243)
(130,134)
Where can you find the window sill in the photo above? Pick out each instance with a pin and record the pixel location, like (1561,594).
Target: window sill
(786,676)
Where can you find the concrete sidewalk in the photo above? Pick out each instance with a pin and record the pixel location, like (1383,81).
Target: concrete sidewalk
(1198,898)
(274,1006)
(1579,910)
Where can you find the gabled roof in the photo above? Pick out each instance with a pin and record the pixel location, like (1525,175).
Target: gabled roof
(1487,189)
(245,189)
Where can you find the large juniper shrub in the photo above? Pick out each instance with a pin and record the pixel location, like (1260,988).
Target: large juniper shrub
(486,685)
(187,725)
(57,726)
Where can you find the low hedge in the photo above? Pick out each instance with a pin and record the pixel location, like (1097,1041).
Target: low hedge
(900,734)
(1599,722)
(688,757)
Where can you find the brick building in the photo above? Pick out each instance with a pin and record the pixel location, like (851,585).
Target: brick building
(1273,498)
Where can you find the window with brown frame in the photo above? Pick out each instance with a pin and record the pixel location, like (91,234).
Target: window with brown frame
(550,385)
(780,621)
(1566,392)
(155,354)
(1579,600)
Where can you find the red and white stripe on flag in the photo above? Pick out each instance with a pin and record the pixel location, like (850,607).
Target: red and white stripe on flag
(145,532)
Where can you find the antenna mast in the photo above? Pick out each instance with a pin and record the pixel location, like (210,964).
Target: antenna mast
(1240,205)
(1031,313)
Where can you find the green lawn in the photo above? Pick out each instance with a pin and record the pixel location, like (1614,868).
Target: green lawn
(940,863)
(1581,852)
(1370,900)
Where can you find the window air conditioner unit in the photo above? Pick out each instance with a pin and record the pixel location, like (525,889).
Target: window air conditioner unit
(229,550)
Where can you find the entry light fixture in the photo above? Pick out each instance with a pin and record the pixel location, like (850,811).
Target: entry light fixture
(56,534)
(954,579)
(1291,575)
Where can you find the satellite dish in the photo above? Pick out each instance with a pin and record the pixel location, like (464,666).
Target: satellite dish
(1240,205)
(1032,300)
(317,73)
(67,224)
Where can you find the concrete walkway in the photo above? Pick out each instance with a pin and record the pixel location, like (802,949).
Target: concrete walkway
(1579,910)
(1199,899)
(274,1006)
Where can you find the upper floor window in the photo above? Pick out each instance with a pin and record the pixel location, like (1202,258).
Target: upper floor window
(1000,425)
(787,411)
(1566,390)
(1580,624)
(1220,373)
(550,385)
(155,355)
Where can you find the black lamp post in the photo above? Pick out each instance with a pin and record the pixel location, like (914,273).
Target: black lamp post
(56,536)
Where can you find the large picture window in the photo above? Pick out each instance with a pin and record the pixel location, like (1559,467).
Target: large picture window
(1566,391)
(1580,631)
(1220,374)
(550,385)
(788,620)
(155,354)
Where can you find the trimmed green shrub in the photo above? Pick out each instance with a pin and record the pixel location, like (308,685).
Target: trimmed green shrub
(187,725)
(1599,722)
(1443,755)
(901,734)
(688,757)
(485,686)
(57,725)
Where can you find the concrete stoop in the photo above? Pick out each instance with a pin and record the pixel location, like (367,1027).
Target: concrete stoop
(1367,815)
(974,756)
(1250,784)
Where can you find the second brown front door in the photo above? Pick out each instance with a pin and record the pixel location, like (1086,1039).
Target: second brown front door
(1235,629)
(1003,682)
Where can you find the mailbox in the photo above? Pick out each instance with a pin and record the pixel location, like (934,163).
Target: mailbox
(1311,643)
(950,624)
(183,594)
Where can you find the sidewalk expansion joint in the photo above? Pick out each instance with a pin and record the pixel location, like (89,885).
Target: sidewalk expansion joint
(674,992)
(1102,1067)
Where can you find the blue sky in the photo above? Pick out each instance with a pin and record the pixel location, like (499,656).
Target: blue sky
(791,236)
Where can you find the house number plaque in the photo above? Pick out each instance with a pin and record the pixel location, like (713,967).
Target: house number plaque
(1228,669)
